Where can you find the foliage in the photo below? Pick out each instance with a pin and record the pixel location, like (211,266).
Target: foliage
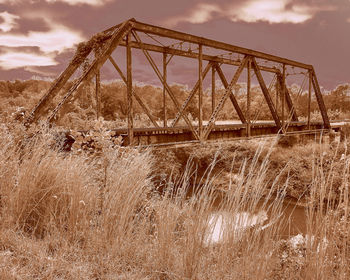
(81,109)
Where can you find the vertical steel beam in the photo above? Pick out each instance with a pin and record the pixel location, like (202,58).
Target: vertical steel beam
(200,91)
(248,97)
(283,92)
(309,101)
(278,88)
(129,89)
(165,120)
(98,94)
(213,88)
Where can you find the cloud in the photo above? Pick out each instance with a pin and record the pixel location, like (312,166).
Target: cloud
(36,48)
(79,2)
(12,2)
(9,21)
(202,13)
(70,2)
(13,60)
(272,11)
(57,39)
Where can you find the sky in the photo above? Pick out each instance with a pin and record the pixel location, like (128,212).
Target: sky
(38,37)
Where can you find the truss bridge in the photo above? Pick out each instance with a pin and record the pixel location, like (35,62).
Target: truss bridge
(224,106)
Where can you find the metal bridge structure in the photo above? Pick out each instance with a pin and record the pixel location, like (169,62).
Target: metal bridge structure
(208,56)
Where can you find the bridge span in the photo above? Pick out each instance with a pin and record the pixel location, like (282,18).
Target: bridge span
(245,66)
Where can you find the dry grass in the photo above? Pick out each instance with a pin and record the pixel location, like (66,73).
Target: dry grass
(80,216)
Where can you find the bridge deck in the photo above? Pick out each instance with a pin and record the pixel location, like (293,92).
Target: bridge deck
(151,136)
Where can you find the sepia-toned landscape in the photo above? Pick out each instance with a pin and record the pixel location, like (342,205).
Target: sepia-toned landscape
(228,163)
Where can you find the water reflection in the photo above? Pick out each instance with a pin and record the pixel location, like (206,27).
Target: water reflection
(223,224)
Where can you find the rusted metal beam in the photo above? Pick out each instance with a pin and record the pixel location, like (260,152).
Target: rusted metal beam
(221,103)
(194,55)
(55,88)
(138,99)
(113,28)
(98,94)
(309,100)
(129,91)
(232,97)
(110,46)
(213,85)
(283,92)
(165,120)
(190,96)
(266,93)
(248,97)
(278,88)
(320,101)
(290,105)
(200,92)
(164,32)
(161,78)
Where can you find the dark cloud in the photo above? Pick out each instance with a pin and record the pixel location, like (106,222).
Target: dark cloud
(26,25)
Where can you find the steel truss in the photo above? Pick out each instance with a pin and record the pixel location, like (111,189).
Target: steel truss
(127,34)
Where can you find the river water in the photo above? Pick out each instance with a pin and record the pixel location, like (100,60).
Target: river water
(292,221)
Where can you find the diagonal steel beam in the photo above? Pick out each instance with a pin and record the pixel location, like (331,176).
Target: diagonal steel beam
(272,83)
(221,103)
(117,37)
(98,94)
(232,97)
(161,78)
(189,98)
(138,99)
(57,85)
(266,93)
(320,101)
